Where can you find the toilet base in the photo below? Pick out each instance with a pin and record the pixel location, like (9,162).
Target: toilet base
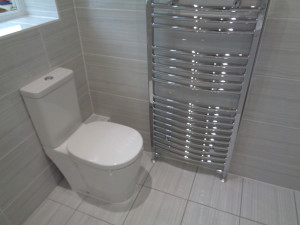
(112,186)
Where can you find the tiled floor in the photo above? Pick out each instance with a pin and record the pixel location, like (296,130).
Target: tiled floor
(176,195)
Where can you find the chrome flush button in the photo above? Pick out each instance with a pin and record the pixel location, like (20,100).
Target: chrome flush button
(48,78)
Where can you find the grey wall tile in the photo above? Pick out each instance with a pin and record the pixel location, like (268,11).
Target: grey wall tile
(284,9)
(77,65)
(12,116)
(268,152)
(33,196)
(127,111)
(29,60)
(112,4)
(116,48)
(64,35)
(274,101)
(281,34)
(64,4)
(19,168)
(85,105)
(147,140)
(118,76)
(118,25)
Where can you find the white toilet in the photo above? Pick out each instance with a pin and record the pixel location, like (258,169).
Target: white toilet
(100,159)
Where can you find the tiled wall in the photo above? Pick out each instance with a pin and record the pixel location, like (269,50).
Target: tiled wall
(268,145)
(26,174)
(113,34)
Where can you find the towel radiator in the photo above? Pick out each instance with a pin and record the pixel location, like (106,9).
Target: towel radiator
(200,62)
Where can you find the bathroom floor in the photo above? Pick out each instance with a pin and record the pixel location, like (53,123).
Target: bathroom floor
(169,194)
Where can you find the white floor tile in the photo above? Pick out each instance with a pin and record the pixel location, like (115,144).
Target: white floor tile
(64,195)
(174,178)
(50,213)
(111,213)
(197,214)
(155,207)
(248,222)
(268,204)
(209,190)
(146,165)
(80,218)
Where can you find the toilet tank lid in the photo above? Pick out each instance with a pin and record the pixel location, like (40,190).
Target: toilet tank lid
(47,83)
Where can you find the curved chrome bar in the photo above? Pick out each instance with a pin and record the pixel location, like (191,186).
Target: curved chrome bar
(203,30)
(198,8)
(203,19)
(210,108)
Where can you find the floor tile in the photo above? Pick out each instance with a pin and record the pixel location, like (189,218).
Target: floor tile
(50,213)
(197,214)
(209,190)
(248,222)
(297,196)
(268,204)
(155,207)
(172,177)
(64,195)
(111,213)
(146,165)
(83,219)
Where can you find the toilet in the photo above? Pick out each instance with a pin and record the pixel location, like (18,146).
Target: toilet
(99,159)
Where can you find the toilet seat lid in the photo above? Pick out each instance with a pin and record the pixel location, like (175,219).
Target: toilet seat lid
(105,144)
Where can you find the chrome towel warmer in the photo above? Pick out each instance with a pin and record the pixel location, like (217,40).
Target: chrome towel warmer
(197,83)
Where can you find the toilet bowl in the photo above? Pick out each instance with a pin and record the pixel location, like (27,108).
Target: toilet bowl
(100,159)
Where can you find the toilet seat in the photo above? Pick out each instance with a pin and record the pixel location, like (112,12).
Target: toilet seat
(105,145)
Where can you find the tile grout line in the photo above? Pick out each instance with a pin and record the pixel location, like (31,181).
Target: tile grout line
(296,207)
(252,220)
(83,56)
(184,211)
(5,217)
(111,9)
(121,96)
(117,57)
(75,210)
(271,124)
(153,164)
(241,201)
(133,204)
(28,185)
(45,48)
(137,195)
(214,208)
